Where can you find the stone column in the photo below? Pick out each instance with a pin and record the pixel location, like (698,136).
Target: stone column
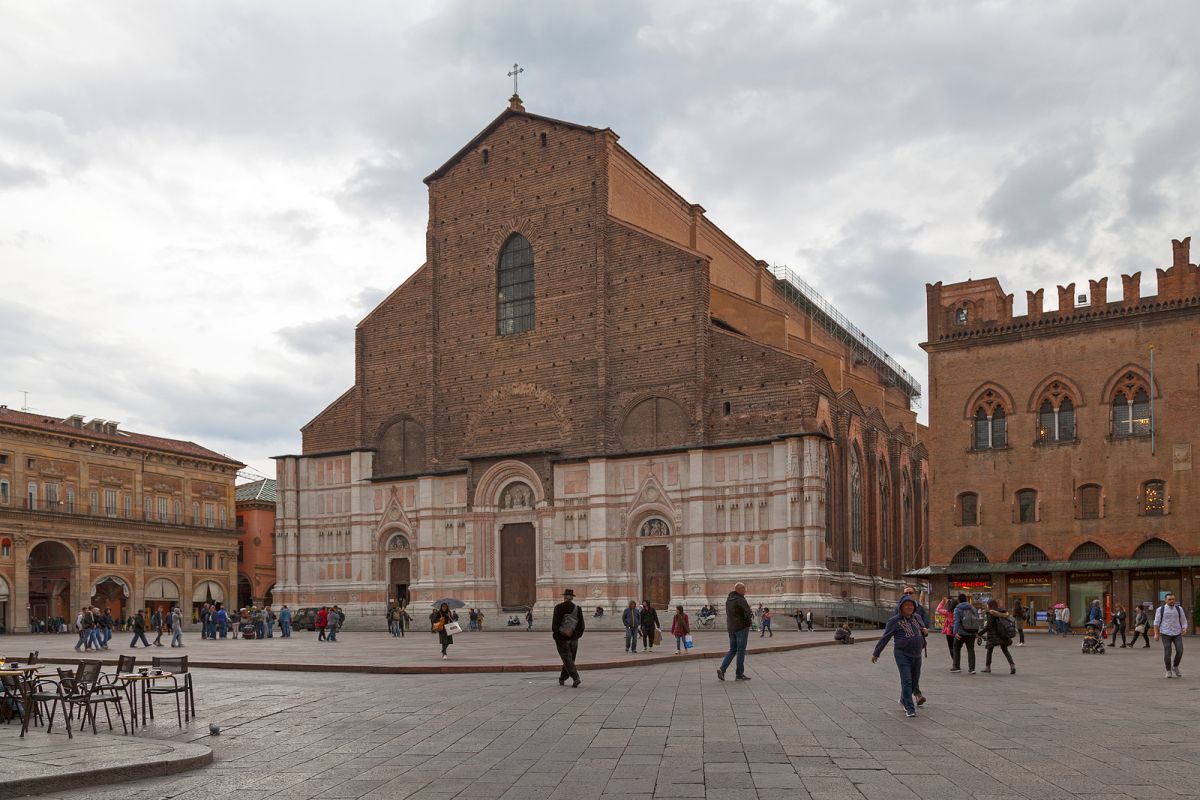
(231,591)
(81,580)
(137,592)
(185,591)
(813,452)
(20,588)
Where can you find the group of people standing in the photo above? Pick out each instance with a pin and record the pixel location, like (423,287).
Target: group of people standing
(641,622)
(216,622)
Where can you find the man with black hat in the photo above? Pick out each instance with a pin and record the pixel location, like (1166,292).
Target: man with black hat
(567,627)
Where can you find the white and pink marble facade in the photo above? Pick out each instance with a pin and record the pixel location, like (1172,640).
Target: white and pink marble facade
(753,514)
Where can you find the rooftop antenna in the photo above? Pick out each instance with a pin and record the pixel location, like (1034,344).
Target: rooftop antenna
(25,402)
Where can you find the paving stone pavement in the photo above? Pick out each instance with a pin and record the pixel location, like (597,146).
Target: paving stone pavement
(820,723)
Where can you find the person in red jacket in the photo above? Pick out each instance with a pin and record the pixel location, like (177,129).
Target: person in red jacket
(680,628)
(322,621)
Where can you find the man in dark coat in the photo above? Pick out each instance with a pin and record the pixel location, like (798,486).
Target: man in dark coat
(567,627)
(737,622)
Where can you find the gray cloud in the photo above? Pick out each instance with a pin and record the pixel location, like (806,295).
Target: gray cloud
(12,175)
(1042,198)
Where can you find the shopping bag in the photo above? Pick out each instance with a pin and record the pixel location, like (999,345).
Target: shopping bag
(687,642)
(453,628)
(657,637)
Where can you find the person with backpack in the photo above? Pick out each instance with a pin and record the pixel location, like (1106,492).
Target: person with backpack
(966,630)
(566,627)
(908,632)
(998,631)
(139,629)
(1170,623)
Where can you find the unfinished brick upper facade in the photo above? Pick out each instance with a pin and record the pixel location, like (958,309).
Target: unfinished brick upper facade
(1045,463)
(659,348)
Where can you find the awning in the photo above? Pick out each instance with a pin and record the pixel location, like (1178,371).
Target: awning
(119,581)
(1055,566)
(162,589)
(208,591)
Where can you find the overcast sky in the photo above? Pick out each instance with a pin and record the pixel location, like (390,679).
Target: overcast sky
(198,200)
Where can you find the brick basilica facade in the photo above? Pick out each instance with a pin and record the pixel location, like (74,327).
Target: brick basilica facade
(589,385)
(1062,442)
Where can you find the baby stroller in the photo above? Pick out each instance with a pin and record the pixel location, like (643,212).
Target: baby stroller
(1093,638)
(248,630)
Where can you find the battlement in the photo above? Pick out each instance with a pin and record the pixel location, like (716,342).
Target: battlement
(978,308)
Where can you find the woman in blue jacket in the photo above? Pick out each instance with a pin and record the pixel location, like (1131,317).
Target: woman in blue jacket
(905,629)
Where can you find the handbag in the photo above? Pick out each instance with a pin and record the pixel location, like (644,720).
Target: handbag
(453,628)
(439,625)
(688,644)
(1139,628)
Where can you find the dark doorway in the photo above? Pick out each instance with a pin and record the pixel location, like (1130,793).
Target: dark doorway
(50,567)
(245,592)
(656,576)
(518,567)
(398,570)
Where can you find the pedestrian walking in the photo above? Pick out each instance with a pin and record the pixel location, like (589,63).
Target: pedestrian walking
(921,612)
(905,630)
(1170,623)
(649,626)
(83,625)
(808,620)
(176,627)
(396,622)
(765,624)
(1066,621)
(966,630)
(443,617)
(157,624)
(566,626)
(1141,626)
(632,620)
(321,623)
(1118,625)
(737,623)
(333,620)
(798,615)
(139,629)
(945,609)
(479,621)
(1019,615)
(998,633)
(528,619)
(680,629)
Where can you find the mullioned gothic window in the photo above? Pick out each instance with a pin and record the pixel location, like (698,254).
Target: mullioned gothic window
(1056,416)
(514,287)
(1131,407)
(991,423)
(855,507)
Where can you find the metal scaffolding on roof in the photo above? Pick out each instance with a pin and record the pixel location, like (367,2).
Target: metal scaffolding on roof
(809,300)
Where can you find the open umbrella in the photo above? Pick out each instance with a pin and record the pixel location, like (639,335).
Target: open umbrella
(449,601)
(1060,605)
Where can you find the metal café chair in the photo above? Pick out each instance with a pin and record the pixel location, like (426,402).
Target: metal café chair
(178,667)
(88,688)
(35,693)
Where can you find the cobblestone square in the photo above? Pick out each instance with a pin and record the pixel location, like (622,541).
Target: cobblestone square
(820,723)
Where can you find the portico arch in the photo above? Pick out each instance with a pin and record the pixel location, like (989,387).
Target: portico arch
(52,568)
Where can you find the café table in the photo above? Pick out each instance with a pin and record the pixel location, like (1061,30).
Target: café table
(24,673)
(137,679)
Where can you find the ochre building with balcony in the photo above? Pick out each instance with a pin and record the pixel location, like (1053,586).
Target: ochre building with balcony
(93,514)
(1061,448)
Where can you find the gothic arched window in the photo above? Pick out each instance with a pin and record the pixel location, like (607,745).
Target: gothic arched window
(855,506)
(1056,415)
(829,540)
(514,287)
(885,517)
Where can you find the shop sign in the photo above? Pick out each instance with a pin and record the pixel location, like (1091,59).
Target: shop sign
(1155,573)
(1091,576)
(1029,579)
(975,583)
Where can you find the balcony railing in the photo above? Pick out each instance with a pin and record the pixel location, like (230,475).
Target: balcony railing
(78,509)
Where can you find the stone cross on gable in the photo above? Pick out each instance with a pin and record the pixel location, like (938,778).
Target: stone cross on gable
(516,70)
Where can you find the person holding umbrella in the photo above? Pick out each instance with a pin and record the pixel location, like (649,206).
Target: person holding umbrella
(443,617)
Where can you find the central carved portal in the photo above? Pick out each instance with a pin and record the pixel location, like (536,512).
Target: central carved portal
(656,576)
(518,566)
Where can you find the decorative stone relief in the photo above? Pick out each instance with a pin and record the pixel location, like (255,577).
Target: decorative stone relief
(654,527)
(516,496)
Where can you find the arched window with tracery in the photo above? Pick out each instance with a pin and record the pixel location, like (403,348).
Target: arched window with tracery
(1056,415)
(514,287)
(1131,406)
(855,506)
(991,423)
